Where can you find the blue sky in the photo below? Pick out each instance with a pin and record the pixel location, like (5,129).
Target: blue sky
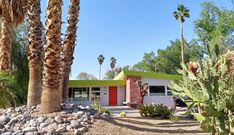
(126,29)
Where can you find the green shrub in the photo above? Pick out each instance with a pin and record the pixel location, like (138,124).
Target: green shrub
(123,114)
(100,108)
(153,110)
(174,118)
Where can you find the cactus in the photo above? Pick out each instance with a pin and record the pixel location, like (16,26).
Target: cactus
(211,90)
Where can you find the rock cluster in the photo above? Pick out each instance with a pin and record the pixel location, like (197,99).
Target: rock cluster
(24,120)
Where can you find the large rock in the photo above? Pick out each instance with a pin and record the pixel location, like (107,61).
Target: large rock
(29,129)
(58,119)
(4,119)
(13,121)
(61,130)
(41,119)
(6,133)
(75,123)
(31,133)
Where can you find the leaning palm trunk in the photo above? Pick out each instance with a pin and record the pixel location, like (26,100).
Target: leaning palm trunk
(50,100)
(5,45)
(182,43)
(69,45)
(34,52)
(11,13)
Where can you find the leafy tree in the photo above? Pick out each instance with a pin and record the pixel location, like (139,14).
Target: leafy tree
(14,86)
(213,23)
(180,15)
(147,64)
(100,59)
(85,76)
(168,60)
(110,74)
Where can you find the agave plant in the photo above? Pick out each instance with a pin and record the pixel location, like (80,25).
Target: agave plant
(211,91)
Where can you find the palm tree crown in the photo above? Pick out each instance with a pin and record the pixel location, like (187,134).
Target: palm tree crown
(181,13)
(113,62)
(101,59)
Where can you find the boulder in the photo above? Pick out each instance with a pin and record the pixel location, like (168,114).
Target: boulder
(58,119)
(75,123)
(4,119)
(29,129)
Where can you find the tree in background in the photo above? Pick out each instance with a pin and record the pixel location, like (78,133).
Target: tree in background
(215,22)
(147,64)
(100,59)
(168,60)
(35,49)
(112,65)
(51,97)
(180,15)
(11,13)
(85,76)
(14,86)
(110,74)
(69,45)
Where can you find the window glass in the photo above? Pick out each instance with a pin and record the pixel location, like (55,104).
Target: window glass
(169,93)
(157,90)
(81,94)
(95,94)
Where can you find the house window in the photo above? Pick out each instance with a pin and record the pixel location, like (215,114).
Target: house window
(169,93)
(95,94)
(81,94)
(157,90)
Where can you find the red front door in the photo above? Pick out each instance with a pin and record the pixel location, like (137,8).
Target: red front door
(112,95)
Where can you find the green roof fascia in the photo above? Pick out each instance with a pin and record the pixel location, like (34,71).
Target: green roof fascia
(96,82)
(148,74)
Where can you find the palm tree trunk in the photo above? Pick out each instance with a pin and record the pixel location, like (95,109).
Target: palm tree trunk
(51,97)
(182,42)
(34,52)
(5,46)
(69,44)
(100,70)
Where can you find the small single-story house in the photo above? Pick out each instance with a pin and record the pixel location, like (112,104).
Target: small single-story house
(123,89)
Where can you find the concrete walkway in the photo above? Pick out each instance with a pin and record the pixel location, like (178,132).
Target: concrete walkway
(116,110)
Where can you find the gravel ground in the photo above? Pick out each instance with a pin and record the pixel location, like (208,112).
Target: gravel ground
(135,125)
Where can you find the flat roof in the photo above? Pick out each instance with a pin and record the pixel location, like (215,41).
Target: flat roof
(124,73)
(96,82)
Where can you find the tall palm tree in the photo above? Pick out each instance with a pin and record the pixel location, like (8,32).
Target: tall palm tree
(100,59)
(51,97)
(34,52)
(12,12)
(69,45)
(180,15)
(112,65)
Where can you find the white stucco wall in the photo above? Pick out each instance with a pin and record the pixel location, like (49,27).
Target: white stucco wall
(121,95)
(166,100)
(104,96)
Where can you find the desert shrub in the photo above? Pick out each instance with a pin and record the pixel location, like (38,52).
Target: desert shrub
(174,118)
(100,108)
(155,110)
(123,114)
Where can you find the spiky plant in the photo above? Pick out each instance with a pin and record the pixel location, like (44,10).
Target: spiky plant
(51,97)
(211,90)
(35,48)
(69,45)
(12,12)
